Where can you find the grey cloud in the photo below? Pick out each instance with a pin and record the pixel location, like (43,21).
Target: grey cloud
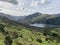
(11,1)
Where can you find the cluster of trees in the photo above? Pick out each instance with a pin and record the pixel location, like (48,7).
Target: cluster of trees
(8,39)
(2,28)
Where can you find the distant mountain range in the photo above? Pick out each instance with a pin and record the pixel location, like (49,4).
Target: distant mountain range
(15,18)
(29,18)
(42,18)
(35,18)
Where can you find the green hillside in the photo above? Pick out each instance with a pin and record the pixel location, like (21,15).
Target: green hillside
(13,33)
(28,19)
(47,19)
(42,18)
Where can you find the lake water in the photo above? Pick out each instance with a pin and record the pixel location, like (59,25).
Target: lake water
(43,25)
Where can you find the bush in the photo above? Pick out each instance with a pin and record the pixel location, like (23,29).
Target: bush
(47,39)
(18,44)
(21,36)
(15,35)
(8,40)
(30,44)
(2,28)
(6,32)
(54,34)
(39,40)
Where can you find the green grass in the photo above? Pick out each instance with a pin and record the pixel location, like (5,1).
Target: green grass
(27,37)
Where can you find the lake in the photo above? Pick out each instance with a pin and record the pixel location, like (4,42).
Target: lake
(43,25)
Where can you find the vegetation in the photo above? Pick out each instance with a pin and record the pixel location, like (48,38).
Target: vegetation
(41,18)
(13,33)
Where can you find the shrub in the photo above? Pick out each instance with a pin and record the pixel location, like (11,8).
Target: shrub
(47,39)
(39,40)
(8,40)
(20,35)
(30,44)
(2,28)
(15,35)
(18,44)
(54,34)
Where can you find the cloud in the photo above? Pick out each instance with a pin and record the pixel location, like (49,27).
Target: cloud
(11,12)
(8,8)
(34,3)
(11,1)
(7,5)
(48,8)
(43,1)
(38,2)
(20,5)
(28,6)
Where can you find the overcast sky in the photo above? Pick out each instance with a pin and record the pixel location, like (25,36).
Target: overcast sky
(25,7)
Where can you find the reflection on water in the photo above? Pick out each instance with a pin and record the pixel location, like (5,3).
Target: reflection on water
(38,25)
(43,25)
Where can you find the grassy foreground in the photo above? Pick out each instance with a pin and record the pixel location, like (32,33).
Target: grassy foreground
(19,35)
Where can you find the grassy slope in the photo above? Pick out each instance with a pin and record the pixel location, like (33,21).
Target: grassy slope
(48,19)
(27,36)
(43,18)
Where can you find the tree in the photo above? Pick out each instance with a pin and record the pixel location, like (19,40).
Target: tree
(8,40)
(2,28)
(39,40)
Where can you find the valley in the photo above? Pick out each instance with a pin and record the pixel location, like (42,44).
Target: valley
(21,33)
(29,22)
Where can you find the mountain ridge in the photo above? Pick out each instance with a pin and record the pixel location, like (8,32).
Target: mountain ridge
(11,17)
(35,18)
(42,18)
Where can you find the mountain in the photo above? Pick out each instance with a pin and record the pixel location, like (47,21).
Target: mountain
(13,33)
(53,19)
(48,19)
(42,18)
(29,18)
(6,21)
(15,18)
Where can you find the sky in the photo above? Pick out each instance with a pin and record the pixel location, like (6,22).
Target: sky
(26,7)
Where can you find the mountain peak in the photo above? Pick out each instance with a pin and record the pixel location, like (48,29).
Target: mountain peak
(37,13)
